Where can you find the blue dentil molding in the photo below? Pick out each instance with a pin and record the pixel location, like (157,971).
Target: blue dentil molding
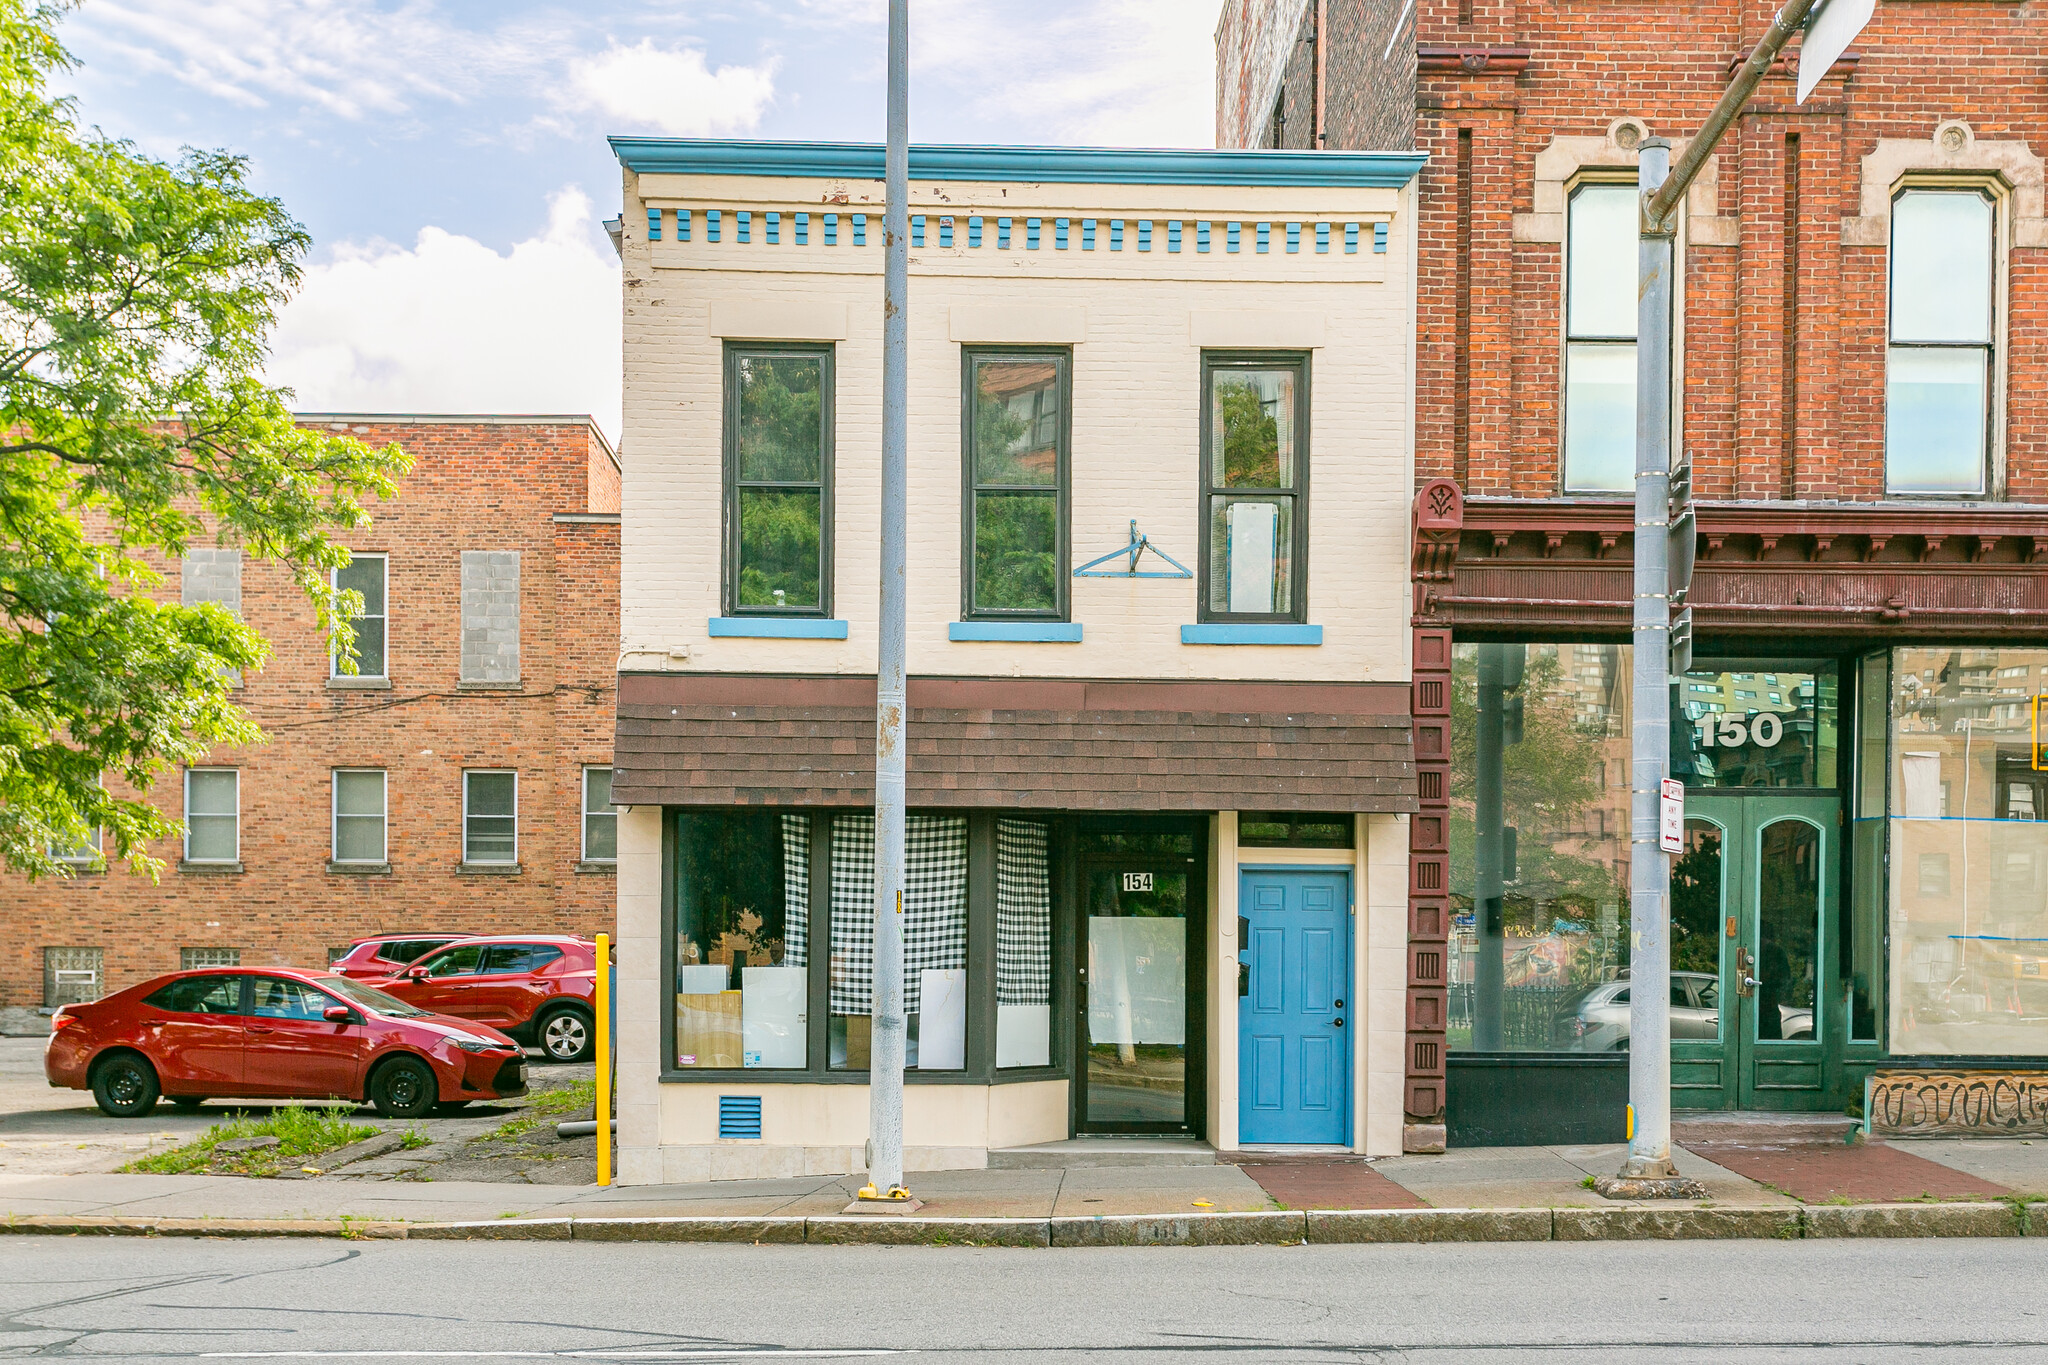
(777,628)
(1023,632)
(1068,165)
(1251,633)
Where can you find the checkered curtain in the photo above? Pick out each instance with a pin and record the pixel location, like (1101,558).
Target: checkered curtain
(934,906)
(1023,913)
(796,889)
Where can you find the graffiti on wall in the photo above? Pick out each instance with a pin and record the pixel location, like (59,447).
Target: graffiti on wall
(1933,1103)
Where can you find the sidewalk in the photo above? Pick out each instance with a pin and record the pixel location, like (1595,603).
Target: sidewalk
(1764,1176)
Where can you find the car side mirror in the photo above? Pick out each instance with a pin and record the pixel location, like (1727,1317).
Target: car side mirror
(416,973)
(338,1014)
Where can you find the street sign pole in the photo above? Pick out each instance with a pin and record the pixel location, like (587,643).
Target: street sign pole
(1648,1172)
(887,1040)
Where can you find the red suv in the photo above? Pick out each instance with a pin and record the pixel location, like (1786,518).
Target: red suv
(539,988)
(373,959)
(274,1034)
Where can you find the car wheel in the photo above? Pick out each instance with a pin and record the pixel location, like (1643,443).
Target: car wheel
(186,1104)
(565,1036)
(125,1086)
(404,1088)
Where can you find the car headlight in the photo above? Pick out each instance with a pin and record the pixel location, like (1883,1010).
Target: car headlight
(468,1044)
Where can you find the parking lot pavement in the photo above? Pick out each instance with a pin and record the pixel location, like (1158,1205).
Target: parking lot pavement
(47,1131)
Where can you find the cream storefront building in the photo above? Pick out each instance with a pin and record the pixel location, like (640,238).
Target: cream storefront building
(1160,760)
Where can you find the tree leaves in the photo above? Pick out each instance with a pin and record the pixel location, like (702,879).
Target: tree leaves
(135,299)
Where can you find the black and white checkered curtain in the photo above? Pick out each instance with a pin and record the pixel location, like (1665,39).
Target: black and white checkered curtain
(796,889)
(1023,913)
(934,906)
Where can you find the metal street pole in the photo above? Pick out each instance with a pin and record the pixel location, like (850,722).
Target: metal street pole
(1648,1172)
(886,1045)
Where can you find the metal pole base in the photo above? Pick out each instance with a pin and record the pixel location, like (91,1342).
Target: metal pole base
(1648,1184)
(897,1201)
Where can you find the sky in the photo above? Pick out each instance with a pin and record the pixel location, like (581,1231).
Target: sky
(449,157)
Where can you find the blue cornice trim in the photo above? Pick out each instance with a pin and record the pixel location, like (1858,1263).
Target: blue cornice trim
(1251,633)
(777,628)
(1065,165)
(1024,632)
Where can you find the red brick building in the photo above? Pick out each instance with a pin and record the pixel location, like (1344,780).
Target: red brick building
(1863,291)
(460,781)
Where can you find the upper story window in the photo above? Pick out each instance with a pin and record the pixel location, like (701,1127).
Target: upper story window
(213,575)
(1255,487)
(213,815)
(778,463)
(366,574)
(1938,363)
(1016,439)
(600,817)
(1600,339)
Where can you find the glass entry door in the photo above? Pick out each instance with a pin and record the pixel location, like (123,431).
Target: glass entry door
(1135,967)
(1767,864)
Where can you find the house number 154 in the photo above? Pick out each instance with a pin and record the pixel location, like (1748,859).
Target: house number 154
(1732,732)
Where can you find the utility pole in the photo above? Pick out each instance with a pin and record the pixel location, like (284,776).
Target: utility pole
(1648,1172)
(887,1041)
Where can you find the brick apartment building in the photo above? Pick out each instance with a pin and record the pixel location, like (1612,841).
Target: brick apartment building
(1863,292)
(460,781)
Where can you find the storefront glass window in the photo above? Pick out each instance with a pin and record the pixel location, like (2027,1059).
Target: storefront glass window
(742,930)
(934,941)
(1539,848)
(1864,972)
(1023,943)
(1756,729)
(1968,852)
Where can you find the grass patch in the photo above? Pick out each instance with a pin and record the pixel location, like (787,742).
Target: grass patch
(413,1139)
(569,1099)
(301,1133)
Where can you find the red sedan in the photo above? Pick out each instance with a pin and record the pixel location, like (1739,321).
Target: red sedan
(538,988)
(278,1033)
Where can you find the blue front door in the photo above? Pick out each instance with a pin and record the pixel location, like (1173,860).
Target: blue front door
(1293,1032)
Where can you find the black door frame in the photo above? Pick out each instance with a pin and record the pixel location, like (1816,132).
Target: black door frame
(1196,866)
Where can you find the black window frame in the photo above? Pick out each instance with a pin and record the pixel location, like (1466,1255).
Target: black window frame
(1062,485)
(735,352)
(980,1068)
(1214,362)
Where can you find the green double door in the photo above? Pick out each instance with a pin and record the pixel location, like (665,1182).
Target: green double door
(1752,951)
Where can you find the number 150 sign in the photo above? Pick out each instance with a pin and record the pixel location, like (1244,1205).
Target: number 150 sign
(1732,732)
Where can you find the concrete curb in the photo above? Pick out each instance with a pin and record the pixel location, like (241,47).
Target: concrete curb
(1289,1228)
(204,1227)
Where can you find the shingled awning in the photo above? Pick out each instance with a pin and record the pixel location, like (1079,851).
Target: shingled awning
(750,739)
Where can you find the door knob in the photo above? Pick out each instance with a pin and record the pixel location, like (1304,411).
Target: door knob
(1340,1023)
(1749,985)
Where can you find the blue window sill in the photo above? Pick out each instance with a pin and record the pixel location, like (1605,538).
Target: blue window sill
(777,628)
(1036,632)
(1258,633)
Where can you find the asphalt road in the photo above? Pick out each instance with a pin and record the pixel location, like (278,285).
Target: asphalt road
(1864,1301)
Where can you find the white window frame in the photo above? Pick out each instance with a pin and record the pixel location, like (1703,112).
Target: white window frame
(213,814)
(1593,177)
(1992,188)
(90,854)
(468,773)
(333,581)
(334,817)
(612,814)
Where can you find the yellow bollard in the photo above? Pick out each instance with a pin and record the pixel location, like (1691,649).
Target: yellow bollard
(604,1059)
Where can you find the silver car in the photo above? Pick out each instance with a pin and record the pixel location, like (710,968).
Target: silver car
(1598,1022)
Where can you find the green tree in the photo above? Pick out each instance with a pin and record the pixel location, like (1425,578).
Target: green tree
(135,297)
(1251,435)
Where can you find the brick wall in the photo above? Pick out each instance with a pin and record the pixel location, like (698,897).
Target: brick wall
(498,486)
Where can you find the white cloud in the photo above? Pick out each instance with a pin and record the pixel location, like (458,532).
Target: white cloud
(349,58)
(1111,72)
(671,89)
(449,325)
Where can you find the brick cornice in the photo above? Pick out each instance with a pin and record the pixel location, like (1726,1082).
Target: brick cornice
(1469,59)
